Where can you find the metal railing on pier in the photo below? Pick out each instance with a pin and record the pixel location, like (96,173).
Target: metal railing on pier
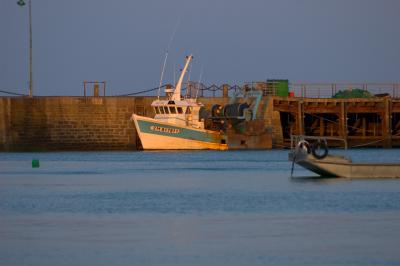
(328,90)
(302,90)
(269,88)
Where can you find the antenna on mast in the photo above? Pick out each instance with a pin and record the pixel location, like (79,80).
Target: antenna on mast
(201,75)
(174,73)
(166,56)
(162,74)
(190,72)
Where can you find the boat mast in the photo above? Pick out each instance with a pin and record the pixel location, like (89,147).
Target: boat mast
(201,75)
(177,92)
(162,74)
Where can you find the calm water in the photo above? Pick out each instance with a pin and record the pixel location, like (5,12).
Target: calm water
(192,208)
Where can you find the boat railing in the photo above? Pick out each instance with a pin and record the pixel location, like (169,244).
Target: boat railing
(295,139)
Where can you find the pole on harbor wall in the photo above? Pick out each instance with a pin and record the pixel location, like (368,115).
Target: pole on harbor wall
(22,3)
(30,51)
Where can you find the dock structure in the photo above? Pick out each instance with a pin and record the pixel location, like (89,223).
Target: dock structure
(102,122)
(362,122)
(310,109)
(371,122)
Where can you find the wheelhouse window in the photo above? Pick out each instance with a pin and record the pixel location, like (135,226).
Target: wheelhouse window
(156,110)
(166,109)
(179,110)
(189,110)
(172,110)
(161,110)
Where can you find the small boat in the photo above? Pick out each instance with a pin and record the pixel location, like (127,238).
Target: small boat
(177,124)
(312,153)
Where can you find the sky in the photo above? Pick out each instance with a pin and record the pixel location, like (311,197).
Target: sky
(124,42)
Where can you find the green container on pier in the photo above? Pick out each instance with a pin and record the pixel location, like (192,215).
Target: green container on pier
(280,87)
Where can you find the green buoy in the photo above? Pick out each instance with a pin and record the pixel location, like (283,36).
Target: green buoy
(35,163)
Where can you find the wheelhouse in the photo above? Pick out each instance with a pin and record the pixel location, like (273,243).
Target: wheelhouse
(172,110)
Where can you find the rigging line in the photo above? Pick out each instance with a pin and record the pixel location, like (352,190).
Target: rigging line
(173,33)
(188,76)
(13,93)
(162,74)
(317,116)
(293,161)
(326,119)
(282,146)
(201,75)
(174,73)
(355,146)
(139,92)
(368,143)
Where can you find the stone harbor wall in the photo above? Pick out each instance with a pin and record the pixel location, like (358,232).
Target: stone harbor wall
(73,123)
(67,123)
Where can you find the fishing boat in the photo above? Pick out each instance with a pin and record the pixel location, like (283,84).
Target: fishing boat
(177,124)
(312,153)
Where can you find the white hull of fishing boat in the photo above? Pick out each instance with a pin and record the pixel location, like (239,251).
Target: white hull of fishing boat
(156,135)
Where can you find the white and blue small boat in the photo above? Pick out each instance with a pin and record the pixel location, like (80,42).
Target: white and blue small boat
(316,158)
(177,124)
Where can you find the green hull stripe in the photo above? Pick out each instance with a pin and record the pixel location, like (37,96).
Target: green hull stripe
(177,132)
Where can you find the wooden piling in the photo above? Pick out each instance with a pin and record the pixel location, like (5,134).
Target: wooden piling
(343,120)
(365,122)
(386,124)
(300,118)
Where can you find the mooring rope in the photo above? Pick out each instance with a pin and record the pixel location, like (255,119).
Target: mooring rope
(293,161)
(366,144)
(329,120)
(356,128)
